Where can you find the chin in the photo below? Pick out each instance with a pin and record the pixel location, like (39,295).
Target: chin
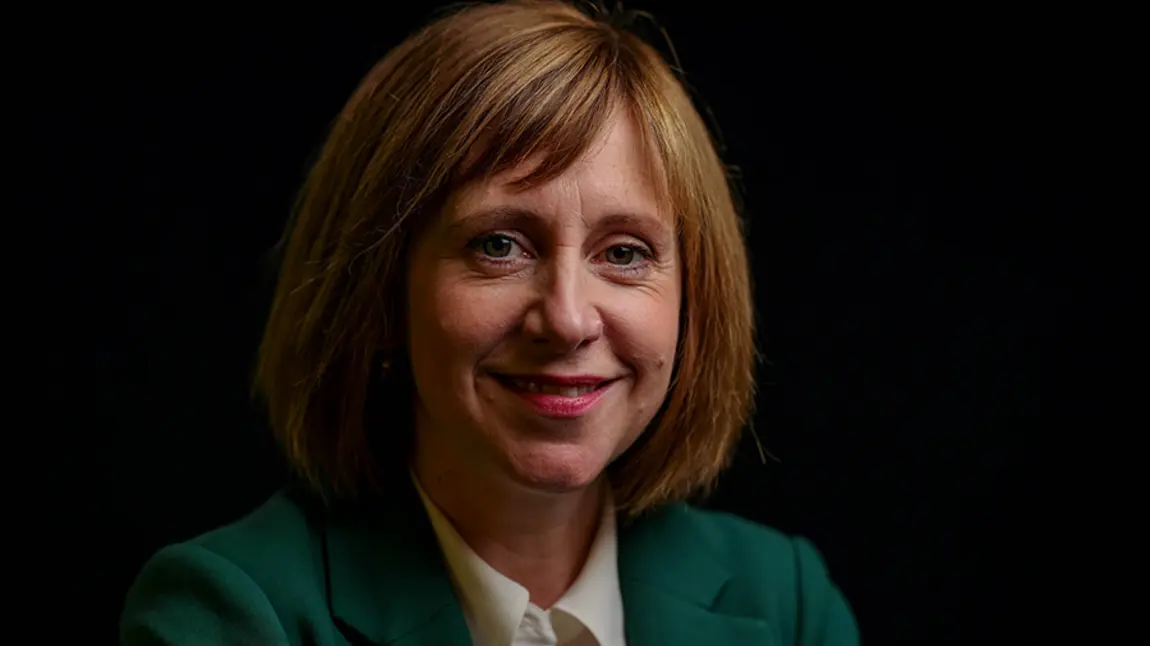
(556,468)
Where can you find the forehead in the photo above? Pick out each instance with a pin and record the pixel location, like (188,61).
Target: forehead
(615,173)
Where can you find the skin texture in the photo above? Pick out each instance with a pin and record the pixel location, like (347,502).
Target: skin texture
(575,276)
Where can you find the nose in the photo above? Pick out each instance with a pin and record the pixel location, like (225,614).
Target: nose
(564,316)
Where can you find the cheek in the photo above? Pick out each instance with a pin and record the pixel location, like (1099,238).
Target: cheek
(454,322)
(647,335)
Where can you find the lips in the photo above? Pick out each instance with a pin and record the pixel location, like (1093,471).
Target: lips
(554,385)
(546,388)
(558,396)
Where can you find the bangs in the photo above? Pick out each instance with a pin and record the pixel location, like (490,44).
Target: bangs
(546,104)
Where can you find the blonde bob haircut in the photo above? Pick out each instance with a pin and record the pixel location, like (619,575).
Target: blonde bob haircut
(477,92)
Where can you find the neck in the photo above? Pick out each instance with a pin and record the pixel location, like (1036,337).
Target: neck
(539,539)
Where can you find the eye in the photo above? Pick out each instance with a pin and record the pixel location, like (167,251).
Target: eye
(497,246)
(622,254)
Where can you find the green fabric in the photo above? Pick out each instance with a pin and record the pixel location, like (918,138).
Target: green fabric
(688,577)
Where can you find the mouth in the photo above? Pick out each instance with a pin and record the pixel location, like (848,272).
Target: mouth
(558,397)
(574,386)
(543,387)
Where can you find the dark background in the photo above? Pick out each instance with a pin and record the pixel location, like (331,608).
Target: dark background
(915,187)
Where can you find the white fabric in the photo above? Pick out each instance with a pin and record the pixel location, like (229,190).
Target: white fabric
(499,611)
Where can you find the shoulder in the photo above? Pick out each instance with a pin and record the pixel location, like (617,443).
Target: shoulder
(276,535)
(773,574)
(235,584)
(735,539)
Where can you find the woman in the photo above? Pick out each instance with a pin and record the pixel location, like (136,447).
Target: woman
(512,332)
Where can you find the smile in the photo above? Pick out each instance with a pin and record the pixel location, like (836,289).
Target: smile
(558,397)
(551,389)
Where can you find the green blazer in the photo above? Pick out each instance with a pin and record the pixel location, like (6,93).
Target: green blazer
(295,572)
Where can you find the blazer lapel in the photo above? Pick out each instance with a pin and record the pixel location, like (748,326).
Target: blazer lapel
(387,580)
(671,586)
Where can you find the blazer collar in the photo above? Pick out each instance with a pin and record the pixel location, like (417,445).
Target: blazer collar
(388,584)
(673,586)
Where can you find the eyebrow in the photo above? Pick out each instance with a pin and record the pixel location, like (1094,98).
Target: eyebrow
(497,216)
(511,216)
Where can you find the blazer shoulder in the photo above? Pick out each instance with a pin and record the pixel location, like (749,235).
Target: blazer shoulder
(777,574)
(735,540)
(241,583)
(276,533)
(186,594)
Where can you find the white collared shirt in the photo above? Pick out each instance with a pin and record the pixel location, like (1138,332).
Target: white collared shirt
(499,611)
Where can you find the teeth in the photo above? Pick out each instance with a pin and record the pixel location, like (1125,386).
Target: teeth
(548,389)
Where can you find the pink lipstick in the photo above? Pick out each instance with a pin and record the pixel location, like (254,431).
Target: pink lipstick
(558,396)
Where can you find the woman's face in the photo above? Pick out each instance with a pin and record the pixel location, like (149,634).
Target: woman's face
(544,320)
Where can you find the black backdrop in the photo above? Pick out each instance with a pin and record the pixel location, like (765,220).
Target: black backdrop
(910,181)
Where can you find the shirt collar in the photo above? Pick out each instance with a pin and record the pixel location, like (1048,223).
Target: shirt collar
(495,604)
(595,598)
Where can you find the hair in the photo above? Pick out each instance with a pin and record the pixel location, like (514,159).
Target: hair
(476,92)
